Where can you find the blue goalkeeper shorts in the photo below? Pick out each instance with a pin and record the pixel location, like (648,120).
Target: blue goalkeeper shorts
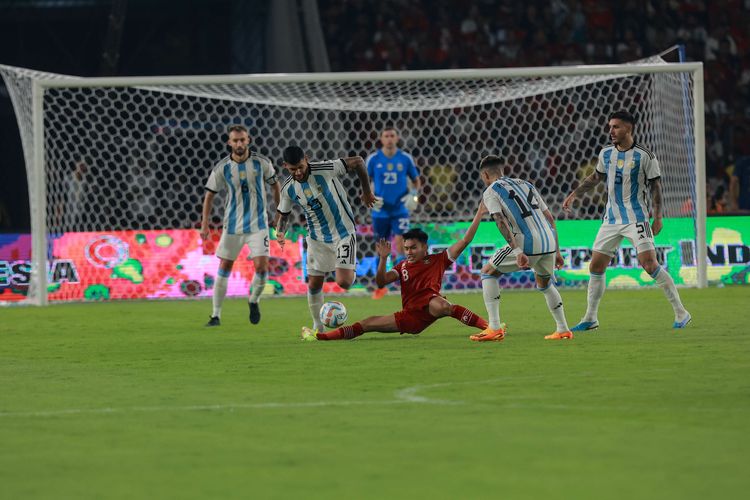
(385,227)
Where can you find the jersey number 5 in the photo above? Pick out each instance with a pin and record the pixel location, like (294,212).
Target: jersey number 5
(522,206)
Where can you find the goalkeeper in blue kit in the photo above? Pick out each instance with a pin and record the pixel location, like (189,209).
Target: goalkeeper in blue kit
(390,169)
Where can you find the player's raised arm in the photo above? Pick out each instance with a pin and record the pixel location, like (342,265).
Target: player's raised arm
(357,164)
(382,278)
(585,186)
(458,247)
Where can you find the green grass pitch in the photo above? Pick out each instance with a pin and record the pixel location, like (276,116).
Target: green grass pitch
(139,400)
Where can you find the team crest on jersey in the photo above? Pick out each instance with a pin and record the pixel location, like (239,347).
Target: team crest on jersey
(308,192)
(399,167)
(243,176)
(390,166)
(620,164)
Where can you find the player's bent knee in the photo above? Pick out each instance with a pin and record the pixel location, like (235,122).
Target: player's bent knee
(650,266)
(344,283)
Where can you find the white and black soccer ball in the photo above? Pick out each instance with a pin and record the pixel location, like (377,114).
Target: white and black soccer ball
(333,314)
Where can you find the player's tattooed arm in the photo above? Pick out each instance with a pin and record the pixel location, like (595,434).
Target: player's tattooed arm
(282,220)
(276,189)
(357,164)
(504,228)
(585,186)
(656,205)
(559,261)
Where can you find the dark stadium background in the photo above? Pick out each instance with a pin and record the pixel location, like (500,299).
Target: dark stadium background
(140,37)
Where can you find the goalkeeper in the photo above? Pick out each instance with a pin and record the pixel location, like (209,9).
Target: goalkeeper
(389,169)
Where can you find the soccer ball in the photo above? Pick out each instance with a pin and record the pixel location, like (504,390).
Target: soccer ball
(333,314)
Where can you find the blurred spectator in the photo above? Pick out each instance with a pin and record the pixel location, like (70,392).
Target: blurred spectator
(437,34)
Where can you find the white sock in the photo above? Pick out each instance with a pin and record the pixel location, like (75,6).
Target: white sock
(665,281)
(314,302)
(491,292)
(555,305)
(220,291)
(257,286)
(597,284)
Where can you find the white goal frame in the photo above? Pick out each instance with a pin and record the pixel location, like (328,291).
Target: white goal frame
(36,173)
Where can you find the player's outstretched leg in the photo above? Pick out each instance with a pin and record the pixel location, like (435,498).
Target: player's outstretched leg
(385,324)
(220,292)
(347,332)
(468,317)
(665,281)
(555,306)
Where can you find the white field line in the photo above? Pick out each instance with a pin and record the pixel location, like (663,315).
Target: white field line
(408,395)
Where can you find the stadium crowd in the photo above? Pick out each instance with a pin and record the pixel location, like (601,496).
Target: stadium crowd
(421,34)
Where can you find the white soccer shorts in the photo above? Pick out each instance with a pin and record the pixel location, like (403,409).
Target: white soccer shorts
(325,257)
(504,260)
(610,236)
(230,245)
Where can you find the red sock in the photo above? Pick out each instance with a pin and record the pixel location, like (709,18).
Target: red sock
(467,317)
(343,333)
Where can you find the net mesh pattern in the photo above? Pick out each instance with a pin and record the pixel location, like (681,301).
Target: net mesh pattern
(122,158)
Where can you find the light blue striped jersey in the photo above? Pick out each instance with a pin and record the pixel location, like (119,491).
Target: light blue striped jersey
(629,174)
(327,211)
(245,205)
(520,203)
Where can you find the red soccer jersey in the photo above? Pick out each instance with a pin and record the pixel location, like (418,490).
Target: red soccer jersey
(421,281)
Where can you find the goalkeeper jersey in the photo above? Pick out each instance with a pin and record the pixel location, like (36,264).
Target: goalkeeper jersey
(389,175)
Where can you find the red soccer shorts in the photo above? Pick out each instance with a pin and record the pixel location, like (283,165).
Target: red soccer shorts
(414,320)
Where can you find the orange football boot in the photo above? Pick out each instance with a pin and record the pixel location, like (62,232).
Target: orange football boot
(490,335)
(559,336)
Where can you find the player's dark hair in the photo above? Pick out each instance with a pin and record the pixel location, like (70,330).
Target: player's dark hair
(491,162)
(389,127)
(624,116)
(293,155)
(237,128)
(415,234)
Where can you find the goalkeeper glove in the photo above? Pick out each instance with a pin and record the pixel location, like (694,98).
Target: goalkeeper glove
(411,200)
(378,203)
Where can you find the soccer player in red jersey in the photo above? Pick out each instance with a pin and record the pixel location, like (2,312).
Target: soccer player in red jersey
(421,276)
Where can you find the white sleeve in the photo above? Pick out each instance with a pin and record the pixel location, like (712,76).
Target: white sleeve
(491,202)
(652,168)
(215,182)
(339,167)
(600,165)
(269,173)
(285,203)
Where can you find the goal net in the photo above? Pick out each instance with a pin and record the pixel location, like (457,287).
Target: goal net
(116,166)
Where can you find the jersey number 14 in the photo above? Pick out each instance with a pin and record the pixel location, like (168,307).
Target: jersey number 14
(525,207)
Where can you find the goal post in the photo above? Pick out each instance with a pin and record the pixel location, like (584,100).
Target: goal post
(126,157)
